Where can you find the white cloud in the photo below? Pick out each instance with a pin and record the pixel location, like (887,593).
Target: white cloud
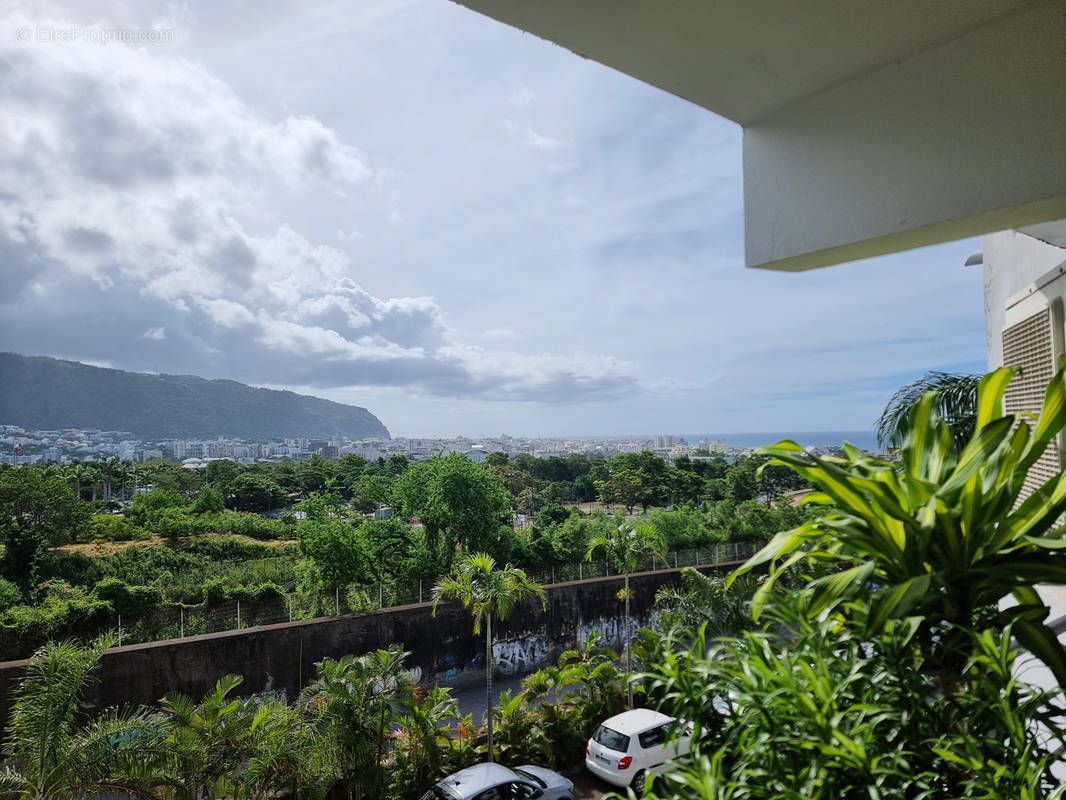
(138,169)
(477,185)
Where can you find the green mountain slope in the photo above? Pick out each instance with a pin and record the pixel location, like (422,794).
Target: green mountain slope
(47,393)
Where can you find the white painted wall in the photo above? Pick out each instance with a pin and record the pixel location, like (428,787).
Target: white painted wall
(953,141)
(1012,260)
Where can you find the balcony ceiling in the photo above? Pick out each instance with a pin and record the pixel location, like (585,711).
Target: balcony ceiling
(870,126)
(744,59)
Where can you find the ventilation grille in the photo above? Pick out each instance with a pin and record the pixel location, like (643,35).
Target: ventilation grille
(1028,345)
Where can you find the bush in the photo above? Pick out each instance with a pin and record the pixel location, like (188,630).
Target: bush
(9,595)
(214,592)
(117,529)
(173,522)
(147,503)
(259,591)
(209,501)
(126,599)
(63,612)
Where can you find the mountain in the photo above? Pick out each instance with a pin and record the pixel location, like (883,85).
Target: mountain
(47,393)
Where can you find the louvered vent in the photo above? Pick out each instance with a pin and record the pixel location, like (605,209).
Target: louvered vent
(1029,345)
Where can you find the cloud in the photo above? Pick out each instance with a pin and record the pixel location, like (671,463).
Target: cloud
(139,195)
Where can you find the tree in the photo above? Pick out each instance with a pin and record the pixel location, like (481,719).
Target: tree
(944,535)
(460,504)
(220,473)
(36,511)
(489,593)
(210,739)
(256,492)
(956,404)
(208,501)
(337,550)
(354,702)
(52,757)
(626,548)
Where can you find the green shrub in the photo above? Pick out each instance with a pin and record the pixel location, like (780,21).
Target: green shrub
(9,595)
(209,501)
(173,522)
(257,591)
(147,503)
(126,599)
(117,529)
(63,612)
(214,591)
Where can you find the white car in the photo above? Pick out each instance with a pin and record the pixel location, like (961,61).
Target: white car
(628,747)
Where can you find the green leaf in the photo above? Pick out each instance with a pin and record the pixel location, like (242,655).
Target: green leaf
(1041,641)
(829,589)
(987,440)
(897,601)
(990,393)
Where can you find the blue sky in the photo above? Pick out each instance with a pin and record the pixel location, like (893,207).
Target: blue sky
(410,207)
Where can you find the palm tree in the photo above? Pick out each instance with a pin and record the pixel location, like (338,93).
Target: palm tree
(489,593)
(627,548)
(50,757)
(209,739)
(355,701)
(956,404)
(423,738)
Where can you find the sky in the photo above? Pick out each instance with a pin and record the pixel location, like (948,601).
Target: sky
(403,205)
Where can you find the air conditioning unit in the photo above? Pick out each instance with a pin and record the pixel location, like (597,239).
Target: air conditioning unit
(1033,339)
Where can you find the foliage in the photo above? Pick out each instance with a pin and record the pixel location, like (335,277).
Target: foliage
(10,595)
(126,599)
(36,511)
(53,757)
(705,601)
(61,611)
(460,504)
(253,491)
(143,508)
(831,712)
(956,405)
(947,535)
(337,551)
(111,528)
(354,702)
(208,501)
(627,548)
(489,593)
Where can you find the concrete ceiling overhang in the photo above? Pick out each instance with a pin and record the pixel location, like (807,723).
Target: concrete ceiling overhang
(869,126)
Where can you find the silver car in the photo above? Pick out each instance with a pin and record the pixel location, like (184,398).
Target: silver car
(497,782)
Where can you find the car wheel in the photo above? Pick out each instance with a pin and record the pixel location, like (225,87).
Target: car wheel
(639,781)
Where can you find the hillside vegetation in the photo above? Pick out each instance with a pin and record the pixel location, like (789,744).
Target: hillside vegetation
(48,393)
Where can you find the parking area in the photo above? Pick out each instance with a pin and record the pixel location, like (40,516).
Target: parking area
(588,786)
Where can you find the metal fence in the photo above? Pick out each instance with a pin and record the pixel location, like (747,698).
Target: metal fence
(173,622)
(178,621)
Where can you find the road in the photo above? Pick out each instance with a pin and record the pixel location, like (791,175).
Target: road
(472,701)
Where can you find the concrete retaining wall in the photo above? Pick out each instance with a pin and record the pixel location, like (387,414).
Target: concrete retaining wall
(281,657)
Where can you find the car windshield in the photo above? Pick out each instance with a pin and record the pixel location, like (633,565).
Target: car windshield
(435,794)
(612,739)
(531,777)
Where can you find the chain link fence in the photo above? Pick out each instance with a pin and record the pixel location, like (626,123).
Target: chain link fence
(179,621)
(172,622)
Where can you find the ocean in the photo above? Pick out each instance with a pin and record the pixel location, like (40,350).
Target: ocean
(865,440)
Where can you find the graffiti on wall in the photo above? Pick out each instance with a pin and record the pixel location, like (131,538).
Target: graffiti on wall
(519,656)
